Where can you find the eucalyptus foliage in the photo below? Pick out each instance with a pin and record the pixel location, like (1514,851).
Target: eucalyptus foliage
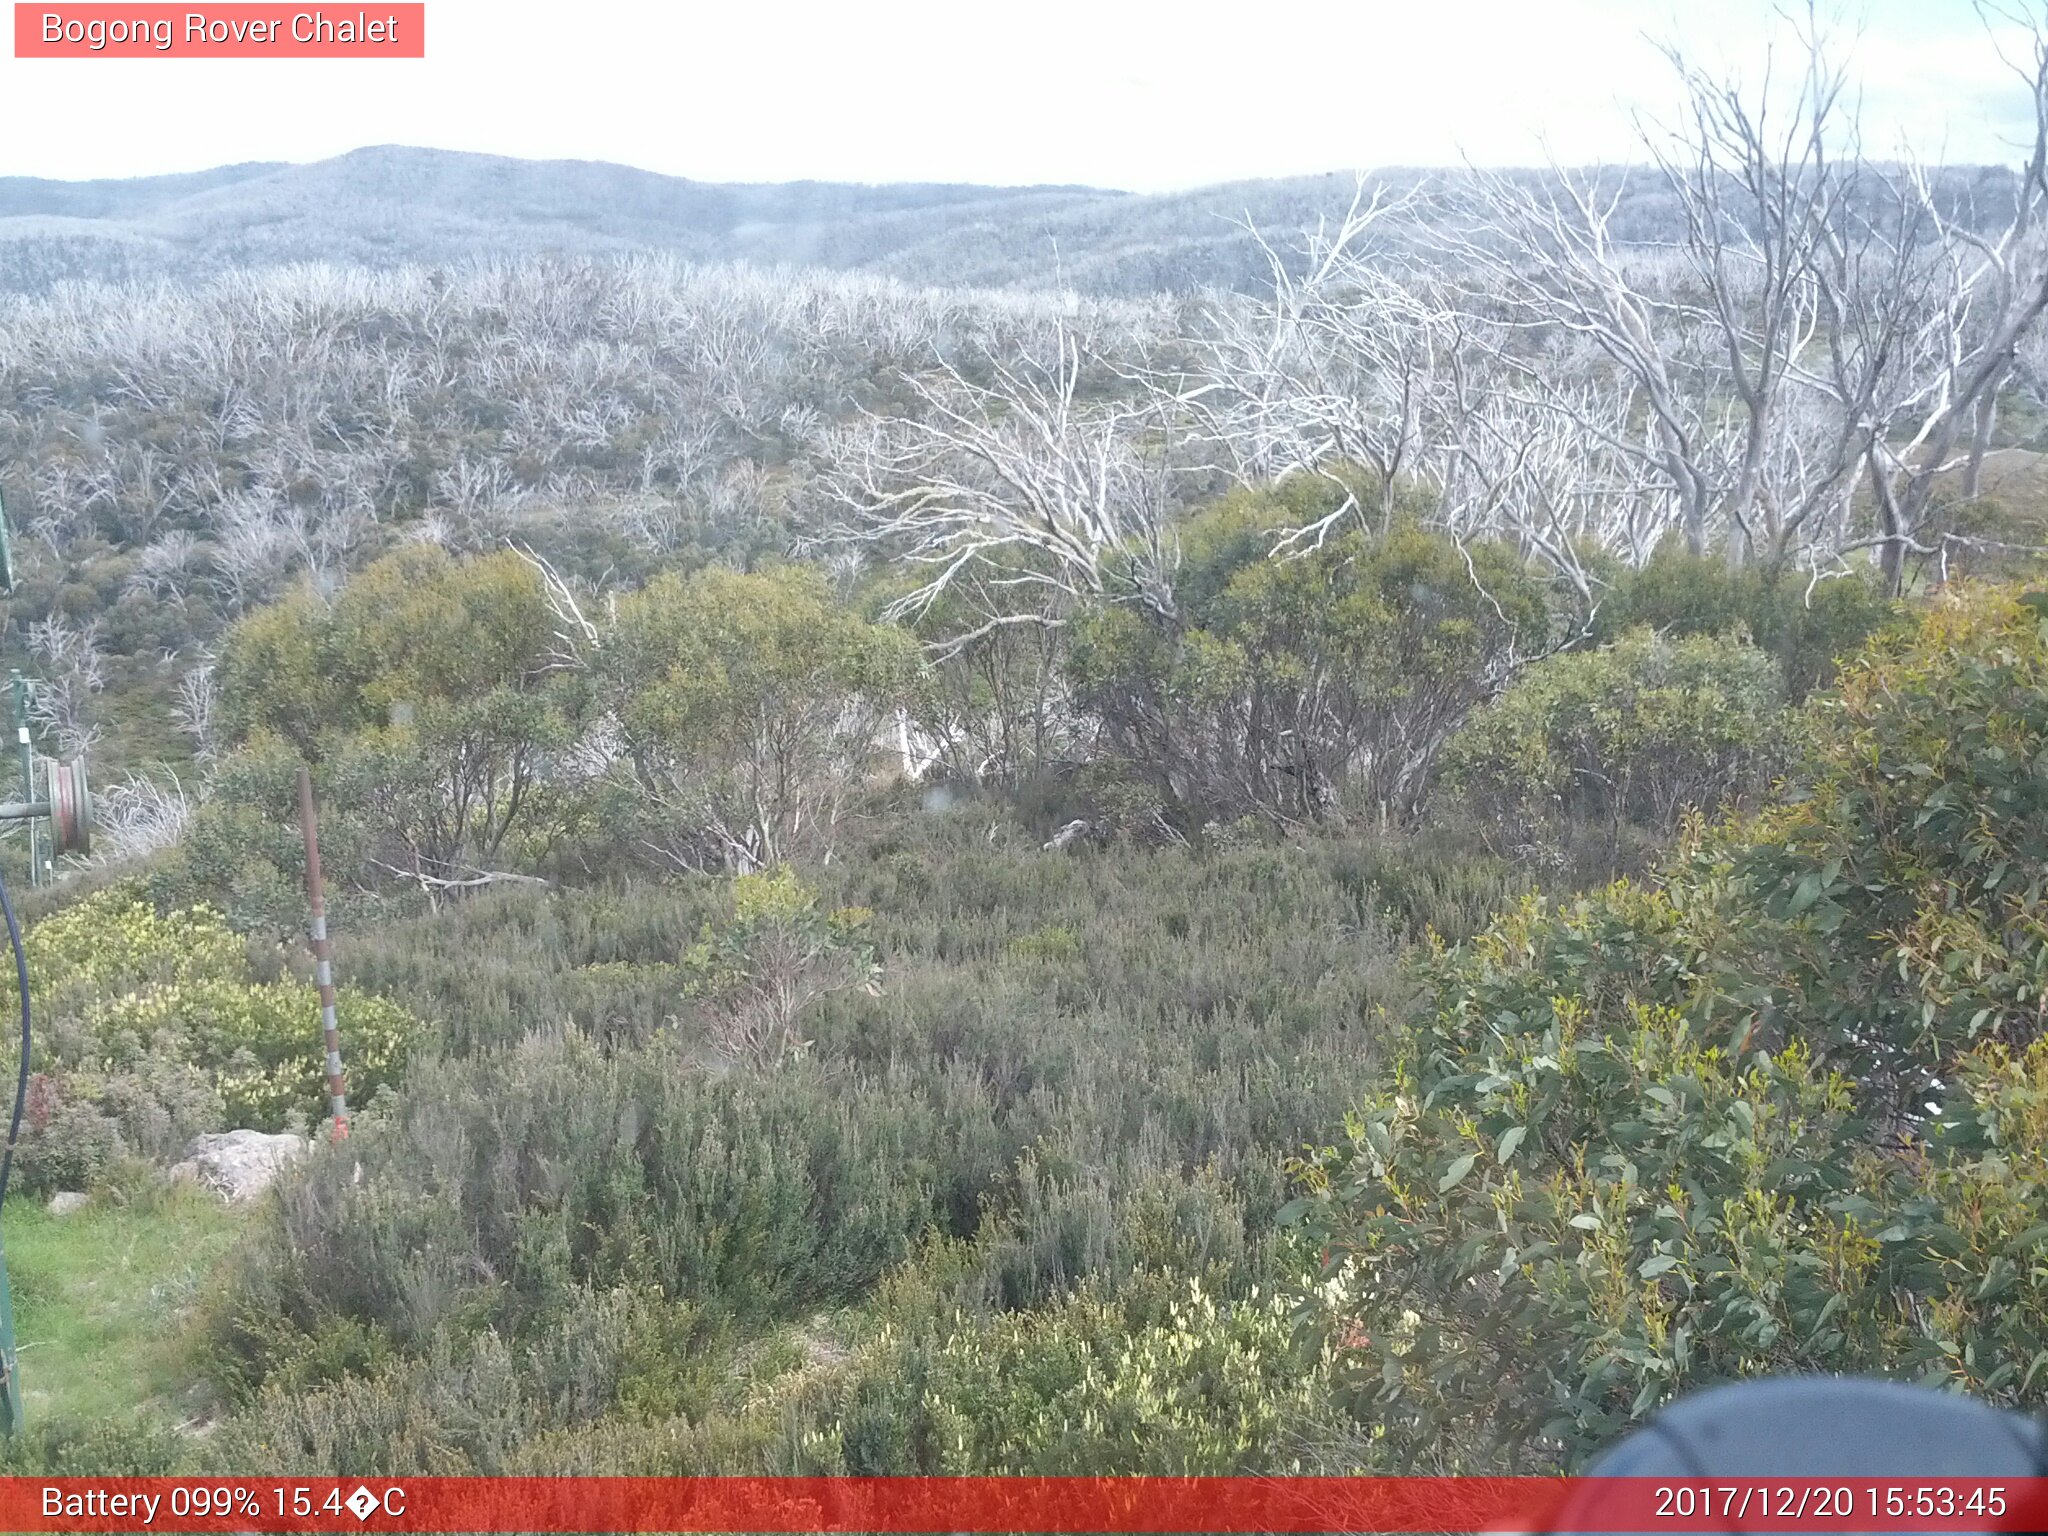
(1627,737)
(1780,1112)
(1289,686)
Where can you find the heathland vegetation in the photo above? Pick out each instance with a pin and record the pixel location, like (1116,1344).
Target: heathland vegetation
(1381,874)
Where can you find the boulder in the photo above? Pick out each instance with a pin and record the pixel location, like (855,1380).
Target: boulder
(1071,833)
(64,1202)
(239,1165)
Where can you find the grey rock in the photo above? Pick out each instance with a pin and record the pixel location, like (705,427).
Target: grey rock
(1071,833)
(239,1165)
(66,1201)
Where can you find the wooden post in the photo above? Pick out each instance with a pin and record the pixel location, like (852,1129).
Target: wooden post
(323,957)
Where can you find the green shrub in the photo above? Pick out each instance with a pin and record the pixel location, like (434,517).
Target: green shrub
(114,944)
(467,1403)
(750,707)
(1208,1388)
(428,697)
(1284,686)
(1534,1252)
(1441,878)
(776,955)
(1900,887)
(1783,1113)
(1055,943)
(1627,736)
(66,1143)
(1539,1240)
(503,1184)
(138,1447)
(261,1045)
(1806,626)
(1081,1078)
(158,1106)
(243,855)
(154,1029)
(515,957)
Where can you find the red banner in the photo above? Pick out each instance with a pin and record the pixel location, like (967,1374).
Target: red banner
(222,31)
(1049,1504)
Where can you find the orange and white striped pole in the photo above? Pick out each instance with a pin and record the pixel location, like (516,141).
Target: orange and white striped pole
(323,957)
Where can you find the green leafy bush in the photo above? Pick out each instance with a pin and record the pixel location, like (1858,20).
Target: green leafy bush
(154,1028)
(113,944)
(1080,1388)
(1807,627)
(243,853)
(1285,685)
(777,955)
(1782,1113)
(750,707)
(1627,736)
(1901,888)
(260,1044)
(429,696)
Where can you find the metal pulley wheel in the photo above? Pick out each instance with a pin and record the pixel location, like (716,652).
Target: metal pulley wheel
(70,802)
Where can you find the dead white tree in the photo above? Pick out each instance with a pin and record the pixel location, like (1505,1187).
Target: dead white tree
(1796,374)
(1763,185)
(1020,495)
(1361,362)
(166,567)
(72,670)
(197,709)
(255,543)
(1540,279)
(1549,472)
(575,637)
(1337,367)
(1824,325)
(1938,308)
(139,817)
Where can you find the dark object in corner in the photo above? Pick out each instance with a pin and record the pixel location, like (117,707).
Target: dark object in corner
(1822,1426)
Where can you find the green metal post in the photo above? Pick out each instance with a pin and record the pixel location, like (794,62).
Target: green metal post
(28,775)
(10,1377)
(10,1373)
(21,687)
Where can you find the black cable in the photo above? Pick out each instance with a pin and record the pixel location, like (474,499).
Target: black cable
(21,1083)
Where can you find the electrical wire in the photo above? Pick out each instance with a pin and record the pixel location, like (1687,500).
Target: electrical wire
(21,1082)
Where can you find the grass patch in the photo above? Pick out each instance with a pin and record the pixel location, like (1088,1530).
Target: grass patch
(103,1301)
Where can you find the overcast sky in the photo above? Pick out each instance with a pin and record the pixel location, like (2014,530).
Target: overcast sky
(1120,93)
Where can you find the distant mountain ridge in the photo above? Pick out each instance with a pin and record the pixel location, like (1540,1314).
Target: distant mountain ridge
(391,204)
(120,198)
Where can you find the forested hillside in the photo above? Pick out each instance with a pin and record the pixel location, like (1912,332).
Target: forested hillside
(391,206)
(1378,861)
(388,206)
